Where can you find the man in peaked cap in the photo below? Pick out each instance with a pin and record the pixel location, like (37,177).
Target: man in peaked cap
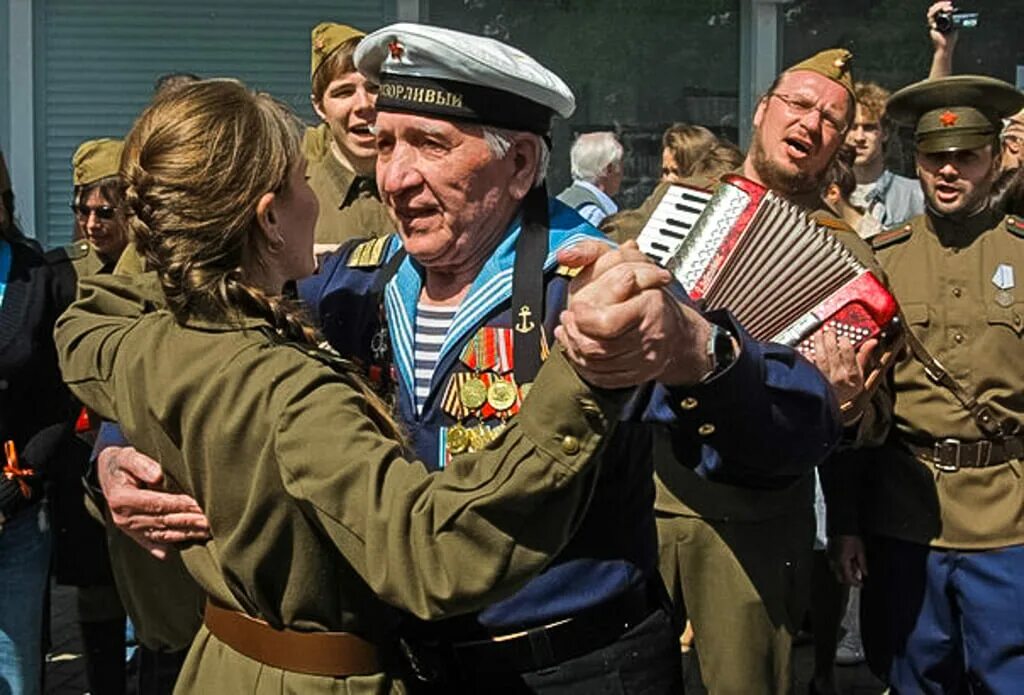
(937,526)
(452,316)
(341,152)
(737,557)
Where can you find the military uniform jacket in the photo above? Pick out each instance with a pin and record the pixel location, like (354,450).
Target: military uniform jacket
(947,278)
(314,514)
(740,424)
(350,205)
(683,494)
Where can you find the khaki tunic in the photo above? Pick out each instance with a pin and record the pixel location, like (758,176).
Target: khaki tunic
(942,274)
(163,602)
(313,512)
(350,205)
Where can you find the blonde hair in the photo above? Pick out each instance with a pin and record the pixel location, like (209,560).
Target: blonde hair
(723,158)
(194,167)
(688,144)
(872,98)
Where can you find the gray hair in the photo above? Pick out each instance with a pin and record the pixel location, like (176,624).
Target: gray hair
(592,154)
(499,142)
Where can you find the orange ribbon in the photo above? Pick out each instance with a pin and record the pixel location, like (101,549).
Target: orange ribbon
(12,471)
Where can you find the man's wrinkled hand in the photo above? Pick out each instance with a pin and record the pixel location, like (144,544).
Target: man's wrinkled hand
(621,328)
(155,520)
(845,368)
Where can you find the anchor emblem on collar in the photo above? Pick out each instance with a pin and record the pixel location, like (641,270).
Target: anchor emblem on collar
(525,325)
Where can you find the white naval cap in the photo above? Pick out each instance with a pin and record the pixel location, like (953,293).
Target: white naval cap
(457,76)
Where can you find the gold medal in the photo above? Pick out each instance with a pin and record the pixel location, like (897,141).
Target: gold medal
(501,395)
(477,438)
(473,393)
(458,439)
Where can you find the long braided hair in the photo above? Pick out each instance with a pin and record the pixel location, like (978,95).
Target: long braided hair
(194,167)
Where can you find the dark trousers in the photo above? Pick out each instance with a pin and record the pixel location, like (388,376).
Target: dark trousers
(944,621)
(645,659)
(158,671)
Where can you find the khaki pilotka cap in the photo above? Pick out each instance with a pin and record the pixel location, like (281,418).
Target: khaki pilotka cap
(833,63)
(327,37)
(962,112)
(95,160)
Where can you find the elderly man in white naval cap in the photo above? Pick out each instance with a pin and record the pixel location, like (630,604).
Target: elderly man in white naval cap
(452,316)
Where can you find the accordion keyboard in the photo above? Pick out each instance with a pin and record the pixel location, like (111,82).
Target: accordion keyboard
(672,221)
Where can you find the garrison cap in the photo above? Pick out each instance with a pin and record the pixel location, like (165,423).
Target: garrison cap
(962,112)
(327,37)
(833,63)
(461,77)
(95,160)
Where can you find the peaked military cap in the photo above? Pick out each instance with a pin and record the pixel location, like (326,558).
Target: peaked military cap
(328,37)
(834,63)
(962,112)
(461,77)
(95,160)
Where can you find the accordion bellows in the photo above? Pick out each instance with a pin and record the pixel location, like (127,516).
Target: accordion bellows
(779,272)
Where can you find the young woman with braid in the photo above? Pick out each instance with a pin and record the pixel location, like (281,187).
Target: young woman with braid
(318,519)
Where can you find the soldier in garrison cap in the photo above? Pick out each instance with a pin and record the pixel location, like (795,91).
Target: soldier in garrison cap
(933,518)
(452,318)
(739,556)
(341,152)
(101,232)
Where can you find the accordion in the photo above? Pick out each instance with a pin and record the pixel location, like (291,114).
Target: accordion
(783,275)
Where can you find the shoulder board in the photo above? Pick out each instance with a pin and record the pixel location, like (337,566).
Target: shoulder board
(369,254)
(69,252)
(567,272)
(1015,226)
(891,236)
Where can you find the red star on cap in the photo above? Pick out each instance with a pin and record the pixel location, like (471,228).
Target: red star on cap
(948,119)
(396,49)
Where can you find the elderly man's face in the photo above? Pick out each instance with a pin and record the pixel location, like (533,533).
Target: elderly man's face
(797,129)
(449,194)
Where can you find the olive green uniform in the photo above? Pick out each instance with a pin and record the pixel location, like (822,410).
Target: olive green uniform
(942,272)
(320,514)
(738,558)
(350,205)
(163,602)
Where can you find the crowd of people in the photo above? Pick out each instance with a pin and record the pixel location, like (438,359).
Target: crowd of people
(360,408)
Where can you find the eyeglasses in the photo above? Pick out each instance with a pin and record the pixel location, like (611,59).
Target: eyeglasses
(801,106)
(103,212)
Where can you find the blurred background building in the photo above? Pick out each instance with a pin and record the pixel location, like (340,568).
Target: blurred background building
(78,69)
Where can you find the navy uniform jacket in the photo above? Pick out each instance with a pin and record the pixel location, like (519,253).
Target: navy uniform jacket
(768,416)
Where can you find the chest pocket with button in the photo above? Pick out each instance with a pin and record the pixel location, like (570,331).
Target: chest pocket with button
(1011,317)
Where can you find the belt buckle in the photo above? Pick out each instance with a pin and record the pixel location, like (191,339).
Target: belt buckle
(939,448)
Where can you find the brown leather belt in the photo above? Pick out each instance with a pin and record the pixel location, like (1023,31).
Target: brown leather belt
(335,654)
(951,455)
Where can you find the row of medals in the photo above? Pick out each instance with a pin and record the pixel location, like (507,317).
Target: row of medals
(500,395)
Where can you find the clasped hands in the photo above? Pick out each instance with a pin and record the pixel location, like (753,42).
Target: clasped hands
(619,329)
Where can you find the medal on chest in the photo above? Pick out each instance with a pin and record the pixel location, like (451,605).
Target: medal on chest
(1004,282)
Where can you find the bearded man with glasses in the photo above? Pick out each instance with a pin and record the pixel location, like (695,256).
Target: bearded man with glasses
(739,557)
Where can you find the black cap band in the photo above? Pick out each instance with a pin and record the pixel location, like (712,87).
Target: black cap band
(462,102)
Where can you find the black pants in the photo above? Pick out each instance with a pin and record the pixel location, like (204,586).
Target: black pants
(645,659)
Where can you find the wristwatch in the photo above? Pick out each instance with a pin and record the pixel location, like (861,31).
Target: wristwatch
(721,350)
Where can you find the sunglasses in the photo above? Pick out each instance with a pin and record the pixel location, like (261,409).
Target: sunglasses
(103,212)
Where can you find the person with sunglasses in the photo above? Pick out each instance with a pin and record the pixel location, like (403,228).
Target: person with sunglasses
(100,230)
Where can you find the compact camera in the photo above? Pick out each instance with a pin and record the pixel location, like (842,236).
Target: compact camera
(947,22)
